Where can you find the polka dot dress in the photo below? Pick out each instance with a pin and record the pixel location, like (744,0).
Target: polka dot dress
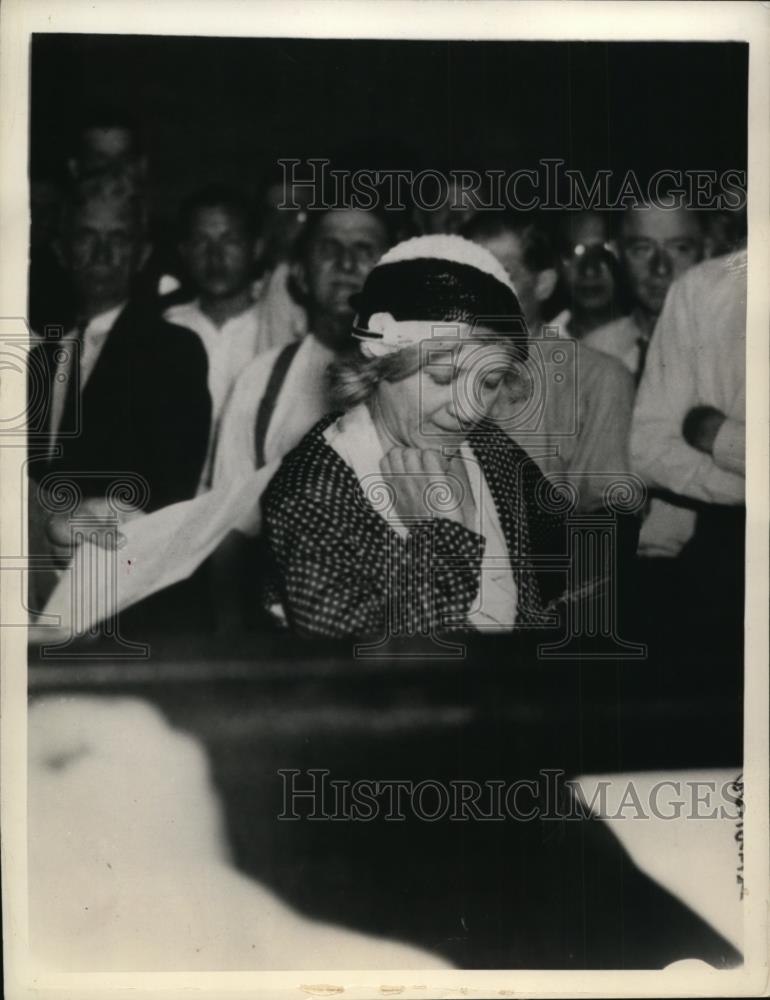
(340,570)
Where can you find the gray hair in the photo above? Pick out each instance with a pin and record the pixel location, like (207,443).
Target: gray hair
(355,379)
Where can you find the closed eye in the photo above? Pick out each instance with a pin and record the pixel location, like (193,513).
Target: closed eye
(443,377)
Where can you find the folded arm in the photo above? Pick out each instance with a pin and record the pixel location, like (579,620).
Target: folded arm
(667,393)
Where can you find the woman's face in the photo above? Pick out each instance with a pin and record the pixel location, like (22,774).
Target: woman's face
(454,388)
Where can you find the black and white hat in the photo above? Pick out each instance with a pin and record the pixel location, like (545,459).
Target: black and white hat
(446,280)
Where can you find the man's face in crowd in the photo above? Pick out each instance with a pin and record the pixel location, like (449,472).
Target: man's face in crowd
(658,246)
(587,264)
(101,250)
(342,251)
(218,252)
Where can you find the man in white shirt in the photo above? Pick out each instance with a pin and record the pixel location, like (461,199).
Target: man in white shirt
(217,246)
(688,430)
(576,420)
(571,412)
(657,246)
(284,392)
(277,399)
(337,252)
(281,217)
(688,437)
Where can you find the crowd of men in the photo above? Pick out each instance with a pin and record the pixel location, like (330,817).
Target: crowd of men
(191,359)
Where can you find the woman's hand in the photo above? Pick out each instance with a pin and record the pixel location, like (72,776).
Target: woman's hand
(427,484)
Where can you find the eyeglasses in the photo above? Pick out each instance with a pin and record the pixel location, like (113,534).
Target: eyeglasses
(589,251)
(643,249)
(596,256)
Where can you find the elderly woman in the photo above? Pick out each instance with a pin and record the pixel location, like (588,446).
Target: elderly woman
(412,512)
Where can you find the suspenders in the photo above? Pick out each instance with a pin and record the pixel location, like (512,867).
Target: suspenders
(267,404)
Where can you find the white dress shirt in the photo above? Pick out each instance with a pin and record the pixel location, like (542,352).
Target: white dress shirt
(302,401)
(560,323)
(697,357)
(168,545)
(281,317)
(576,419)
(230,348)
(94,338)
(620,339)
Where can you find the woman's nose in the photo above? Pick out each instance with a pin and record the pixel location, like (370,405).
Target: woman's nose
(452,405)
(464,405)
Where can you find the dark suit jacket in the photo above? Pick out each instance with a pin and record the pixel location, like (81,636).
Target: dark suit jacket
(145,410)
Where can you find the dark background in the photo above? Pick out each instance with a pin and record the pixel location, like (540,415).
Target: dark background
(224,109)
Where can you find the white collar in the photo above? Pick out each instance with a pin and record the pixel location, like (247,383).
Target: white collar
(102,323)
(355,439)
(562,321)
(196,304)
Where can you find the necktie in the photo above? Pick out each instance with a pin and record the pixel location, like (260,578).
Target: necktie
(71,420)
(642,344)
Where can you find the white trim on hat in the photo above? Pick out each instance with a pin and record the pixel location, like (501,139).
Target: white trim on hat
(395,335)
(448,247)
